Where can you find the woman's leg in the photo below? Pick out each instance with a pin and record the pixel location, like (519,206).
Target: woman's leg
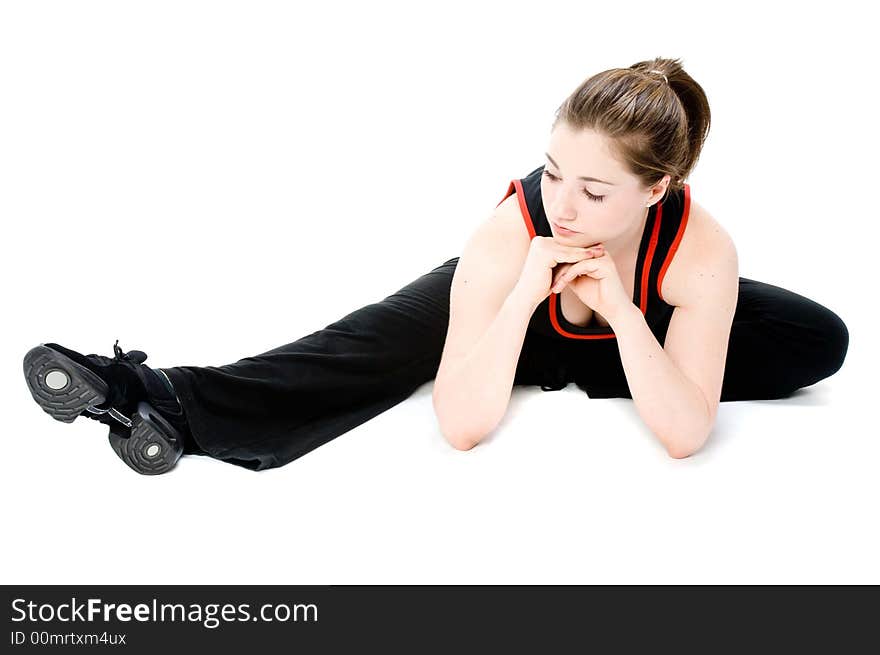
(267,410)
(780,342)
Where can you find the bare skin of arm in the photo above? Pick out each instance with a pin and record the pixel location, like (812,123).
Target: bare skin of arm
(500,280)
(486,330)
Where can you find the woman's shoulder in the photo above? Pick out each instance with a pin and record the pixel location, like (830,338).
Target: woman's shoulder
(507,218)
(703,242)
(500,241)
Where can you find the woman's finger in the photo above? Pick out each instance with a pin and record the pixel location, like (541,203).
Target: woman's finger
(561,269)
(585,267)
(576,254)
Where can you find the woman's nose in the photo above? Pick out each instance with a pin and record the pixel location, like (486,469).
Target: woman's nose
(561,206)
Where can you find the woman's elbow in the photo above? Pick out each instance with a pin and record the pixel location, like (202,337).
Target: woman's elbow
(683,449)
(680,453)
(460,435)
(463,444)
(461,440)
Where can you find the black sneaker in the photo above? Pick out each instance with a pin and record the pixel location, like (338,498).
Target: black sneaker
(146,421)
(151,445)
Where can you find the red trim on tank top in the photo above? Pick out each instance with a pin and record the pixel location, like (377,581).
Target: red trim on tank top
(516,185)
(524,209)
(649,258)
(510,189)
(554,320)
(674,247)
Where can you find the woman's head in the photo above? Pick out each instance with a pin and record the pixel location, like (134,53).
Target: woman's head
(641,129)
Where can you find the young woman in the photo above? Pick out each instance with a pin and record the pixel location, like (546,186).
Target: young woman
(599,268)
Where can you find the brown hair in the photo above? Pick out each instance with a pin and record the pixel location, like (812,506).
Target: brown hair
(655,128)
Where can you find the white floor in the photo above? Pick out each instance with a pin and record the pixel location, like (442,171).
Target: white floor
(784,492)
(249,182)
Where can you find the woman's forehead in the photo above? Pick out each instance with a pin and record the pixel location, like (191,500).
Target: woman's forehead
(585,154)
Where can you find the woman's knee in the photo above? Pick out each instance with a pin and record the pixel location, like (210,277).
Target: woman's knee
(834,336)
(793,340)
(824,341)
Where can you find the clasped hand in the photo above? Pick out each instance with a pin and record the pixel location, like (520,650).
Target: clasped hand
(596,282)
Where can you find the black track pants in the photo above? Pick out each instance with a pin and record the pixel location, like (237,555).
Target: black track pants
(267,410)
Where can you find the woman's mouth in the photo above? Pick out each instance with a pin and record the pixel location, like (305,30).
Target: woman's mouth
(564,231)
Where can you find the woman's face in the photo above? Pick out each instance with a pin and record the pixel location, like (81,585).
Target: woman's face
(603,210)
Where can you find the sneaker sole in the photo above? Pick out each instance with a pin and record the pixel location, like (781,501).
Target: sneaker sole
(63,388)
(152,447)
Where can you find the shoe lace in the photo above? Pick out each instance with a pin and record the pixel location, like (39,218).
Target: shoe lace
(111,415)
(136,356)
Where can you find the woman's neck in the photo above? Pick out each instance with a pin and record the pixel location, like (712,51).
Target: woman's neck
(629,241)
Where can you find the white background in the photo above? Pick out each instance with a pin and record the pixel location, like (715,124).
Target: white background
(206,181)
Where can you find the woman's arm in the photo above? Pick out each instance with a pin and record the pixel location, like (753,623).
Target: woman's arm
(676,388)
(488,317)
(670,404)
(472,393)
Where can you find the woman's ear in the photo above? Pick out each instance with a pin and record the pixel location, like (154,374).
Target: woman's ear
(658,190)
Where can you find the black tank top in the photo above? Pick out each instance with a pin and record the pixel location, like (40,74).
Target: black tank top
(664,228)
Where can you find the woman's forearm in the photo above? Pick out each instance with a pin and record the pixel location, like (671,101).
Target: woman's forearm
(472,396)
(670,404)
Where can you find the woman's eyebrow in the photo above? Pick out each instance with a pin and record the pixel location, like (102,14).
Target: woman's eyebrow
(582,177)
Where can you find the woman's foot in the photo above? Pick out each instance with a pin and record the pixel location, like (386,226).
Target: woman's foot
(151,445)
(147,424)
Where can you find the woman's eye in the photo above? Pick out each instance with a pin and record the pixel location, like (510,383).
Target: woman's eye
(589,195)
